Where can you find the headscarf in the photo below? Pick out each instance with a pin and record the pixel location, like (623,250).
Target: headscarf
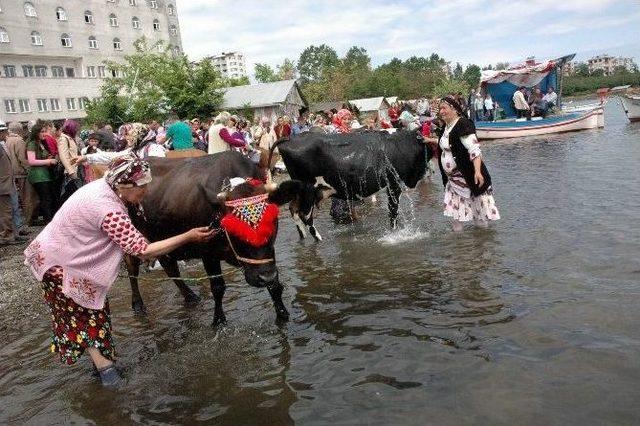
(408,120)
(343,120)
(84,135)
(70,128)
(454,104)
(128,172)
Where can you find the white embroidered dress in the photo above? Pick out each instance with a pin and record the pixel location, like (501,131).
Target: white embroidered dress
(459,204)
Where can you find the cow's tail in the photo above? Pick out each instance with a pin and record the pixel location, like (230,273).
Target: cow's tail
(273,147)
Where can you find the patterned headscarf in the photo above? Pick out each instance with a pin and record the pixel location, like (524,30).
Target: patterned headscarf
(343,120)
(128,172)
(454,104)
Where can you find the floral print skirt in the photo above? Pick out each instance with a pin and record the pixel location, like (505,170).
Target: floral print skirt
(463,209)
(75,328)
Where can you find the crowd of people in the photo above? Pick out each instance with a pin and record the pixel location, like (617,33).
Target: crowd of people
(532,103)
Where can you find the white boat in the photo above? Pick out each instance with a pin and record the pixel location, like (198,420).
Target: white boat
(631,105)
(591,119)
(579,108)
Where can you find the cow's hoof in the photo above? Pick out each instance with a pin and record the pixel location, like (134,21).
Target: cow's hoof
(219,320)
(282,315)
(191,300)
(139,308)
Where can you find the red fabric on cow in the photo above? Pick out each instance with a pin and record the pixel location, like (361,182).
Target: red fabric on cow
(256,233)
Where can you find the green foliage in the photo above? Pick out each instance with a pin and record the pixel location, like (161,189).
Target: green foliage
(472,75)
(315,61)
(240,81)
(579,84)
(153,82)
(264,73)
(457,71)
(582,69)
(450,85)
(287,70)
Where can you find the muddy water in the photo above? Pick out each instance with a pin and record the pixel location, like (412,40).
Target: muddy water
(534,321)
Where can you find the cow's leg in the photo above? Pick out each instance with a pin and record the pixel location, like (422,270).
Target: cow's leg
(295,214)
(218,287)
(275,291)
(393,194)
(170,266)
(312,228)
(133,268)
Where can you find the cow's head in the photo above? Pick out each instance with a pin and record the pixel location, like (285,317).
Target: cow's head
(250,221)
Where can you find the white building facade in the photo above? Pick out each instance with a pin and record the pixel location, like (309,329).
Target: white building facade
(52,52)
(230,64)
(608,64)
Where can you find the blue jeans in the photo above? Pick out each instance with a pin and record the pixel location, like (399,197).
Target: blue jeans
(16,212)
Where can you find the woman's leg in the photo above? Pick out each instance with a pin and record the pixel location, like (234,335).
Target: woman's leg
(45,193)
(98,360)
(481,223)
(457,226)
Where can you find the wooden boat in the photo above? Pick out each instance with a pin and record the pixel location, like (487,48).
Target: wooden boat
(631,106)
(521,127)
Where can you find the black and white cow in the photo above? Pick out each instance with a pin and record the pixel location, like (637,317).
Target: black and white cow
(352,166)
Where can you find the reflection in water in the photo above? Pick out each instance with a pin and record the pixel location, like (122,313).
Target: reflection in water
(532,321)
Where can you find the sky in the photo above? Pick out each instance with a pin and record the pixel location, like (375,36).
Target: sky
(465,31)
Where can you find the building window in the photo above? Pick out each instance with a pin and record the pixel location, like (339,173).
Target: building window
(88,17)
(24,105)
(71,104)
(153,4)
(136,23)
(4,35)
(10,106)
(42,105)
(27,71)
(116,44)
(61,15)
(93,43)
(55,104)
(171,10)
(102,71)
(65,40)
(41,71)
(57,72)
(133,3)
(173,30)
(71,72)
(82,102)
(91,72)
(30,10)
(9,71)
(36,38)
(156,25)
(113,20)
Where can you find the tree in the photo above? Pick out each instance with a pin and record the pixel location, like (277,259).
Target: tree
(582,69)
(287,70)
(449,86)
(153,82)
(457,71)
(314,60)
(240,81)
(265,74)
(502,66)
(472,75)
(357,59)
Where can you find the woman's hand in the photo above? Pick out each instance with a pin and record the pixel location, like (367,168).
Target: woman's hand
(53,161)
(78,160)
(479,179)
(200,235)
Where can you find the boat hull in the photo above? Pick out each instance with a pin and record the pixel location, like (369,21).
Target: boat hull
(499,130)
(631,108)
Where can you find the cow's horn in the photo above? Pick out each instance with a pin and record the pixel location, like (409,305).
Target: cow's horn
(222,195)
(270,187)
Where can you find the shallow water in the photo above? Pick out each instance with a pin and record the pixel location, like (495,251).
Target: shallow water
(533,321)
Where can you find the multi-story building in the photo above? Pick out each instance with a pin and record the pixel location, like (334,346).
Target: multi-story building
(608,64)
(230,64)
(53,52)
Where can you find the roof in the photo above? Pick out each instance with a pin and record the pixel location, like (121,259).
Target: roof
(392,99)
(258,95)
(325,106)
(370,104)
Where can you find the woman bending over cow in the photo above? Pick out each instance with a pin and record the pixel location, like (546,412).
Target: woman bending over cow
(468,194)
(77,257)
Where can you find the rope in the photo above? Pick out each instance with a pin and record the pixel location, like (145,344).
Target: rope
(195,279)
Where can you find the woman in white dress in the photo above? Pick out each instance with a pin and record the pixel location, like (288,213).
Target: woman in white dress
(468,194)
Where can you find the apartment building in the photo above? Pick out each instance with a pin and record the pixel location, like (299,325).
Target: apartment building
(608,63)
(230,64)
(52,52)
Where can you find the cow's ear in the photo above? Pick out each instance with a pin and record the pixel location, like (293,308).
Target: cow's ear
(286,192)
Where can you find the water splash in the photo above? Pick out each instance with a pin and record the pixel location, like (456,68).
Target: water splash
(402,235)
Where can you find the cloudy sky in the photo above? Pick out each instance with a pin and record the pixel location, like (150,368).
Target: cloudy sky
(466,31)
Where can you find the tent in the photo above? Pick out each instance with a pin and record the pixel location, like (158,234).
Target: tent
(370,105)
(502,84)
(269,100)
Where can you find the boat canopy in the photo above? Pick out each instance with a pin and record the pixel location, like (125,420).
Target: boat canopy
(502,84)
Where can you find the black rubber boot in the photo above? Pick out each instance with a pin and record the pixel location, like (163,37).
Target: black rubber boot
(110,376)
